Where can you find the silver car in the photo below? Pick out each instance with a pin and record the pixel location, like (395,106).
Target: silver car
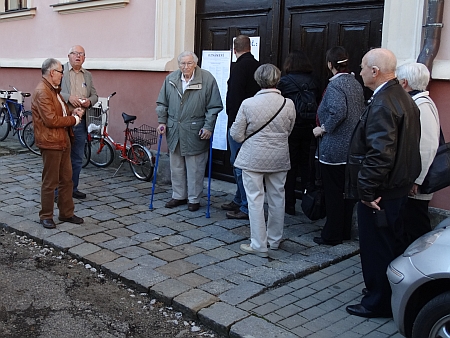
(420,283)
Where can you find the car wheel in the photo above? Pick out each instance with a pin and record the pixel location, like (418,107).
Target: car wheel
(433,321)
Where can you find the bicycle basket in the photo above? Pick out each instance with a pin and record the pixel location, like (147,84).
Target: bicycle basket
(144,135)
(14,108)
(95,120)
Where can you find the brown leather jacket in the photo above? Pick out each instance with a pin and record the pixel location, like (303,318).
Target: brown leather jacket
(50,126)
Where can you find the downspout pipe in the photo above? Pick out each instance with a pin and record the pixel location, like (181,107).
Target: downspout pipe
(432,34)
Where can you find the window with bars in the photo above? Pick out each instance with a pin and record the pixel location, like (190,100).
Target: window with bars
(13,5)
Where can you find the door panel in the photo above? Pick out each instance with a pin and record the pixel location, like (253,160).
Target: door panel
(311,25)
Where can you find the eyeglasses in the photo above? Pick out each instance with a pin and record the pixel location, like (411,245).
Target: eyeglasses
(77,53)
(59,71)
(188,64)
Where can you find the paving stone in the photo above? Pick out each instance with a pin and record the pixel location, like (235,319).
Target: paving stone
(162,231)
(98,238)
(193,279)
(220,316)
(145,237)
(222,253)
(132,252)
(289,310)
(193,301)
(142,277)
(86,230)
(268,277)
(188,249)
(154,246)
(194,234)
(104,216)
(213,272)
(169,255)
(241,293)
(141,227)
(264,309)
(118,243)
(176,240)
(217,287)
(119,265)
(201,260)
(149,261)
(101,257)
(62,241)
(235,265)
(258,327)
(168,289)
(208,243)
(293,321)
(84,249)
(176,268)
(120,232)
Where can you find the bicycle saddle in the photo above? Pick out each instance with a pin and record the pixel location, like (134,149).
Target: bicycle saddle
(26,94)
(128,118)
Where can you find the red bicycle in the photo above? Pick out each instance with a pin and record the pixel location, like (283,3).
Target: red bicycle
(134,149)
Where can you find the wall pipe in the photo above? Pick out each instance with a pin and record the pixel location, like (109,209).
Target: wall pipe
(432,34)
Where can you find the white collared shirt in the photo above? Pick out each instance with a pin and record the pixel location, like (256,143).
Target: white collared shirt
(186,83)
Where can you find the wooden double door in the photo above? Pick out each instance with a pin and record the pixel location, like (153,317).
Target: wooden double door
(313,26)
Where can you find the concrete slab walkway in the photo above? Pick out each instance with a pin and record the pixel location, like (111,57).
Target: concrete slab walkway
(192,262)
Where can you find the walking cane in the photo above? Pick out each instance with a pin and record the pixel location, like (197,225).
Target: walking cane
(155,171)
(209,176)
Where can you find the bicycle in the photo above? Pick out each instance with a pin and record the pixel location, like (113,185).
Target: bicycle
(134,149)
(13,115)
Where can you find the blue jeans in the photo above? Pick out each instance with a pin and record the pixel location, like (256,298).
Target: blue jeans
(240,197)
(77,152)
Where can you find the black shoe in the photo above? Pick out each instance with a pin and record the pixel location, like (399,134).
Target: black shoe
(74,219)
(48,223)
(321,241)
(237,215)
(193,206)
(79,195)
(360,311)
(230,206)
(175,203)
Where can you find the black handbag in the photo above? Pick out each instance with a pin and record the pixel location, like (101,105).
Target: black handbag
(313,200)
(438,176)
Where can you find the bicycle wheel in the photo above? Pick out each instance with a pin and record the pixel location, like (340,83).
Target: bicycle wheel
(141,162)
(28,138)
(21,123)
(4,124)
(87,154)
(102,152)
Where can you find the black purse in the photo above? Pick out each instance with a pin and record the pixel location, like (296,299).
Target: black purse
(313,200)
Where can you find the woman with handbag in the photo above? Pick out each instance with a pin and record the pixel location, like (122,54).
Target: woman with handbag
(339,111)
(263,124)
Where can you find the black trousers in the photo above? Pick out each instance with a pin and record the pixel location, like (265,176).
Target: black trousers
(378,247)
(416,220)
(338,224)
(299,155)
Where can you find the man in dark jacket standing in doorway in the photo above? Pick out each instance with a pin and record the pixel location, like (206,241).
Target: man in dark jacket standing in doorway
(383,163)
(241,86)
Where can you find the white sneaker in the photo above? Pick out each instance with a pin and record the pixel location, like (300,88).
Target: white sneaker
(248,249)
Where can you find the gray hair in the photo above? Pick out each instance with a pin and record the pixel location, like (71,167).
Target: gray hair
(48,65)
(417,75)
(187,53)
(267,76)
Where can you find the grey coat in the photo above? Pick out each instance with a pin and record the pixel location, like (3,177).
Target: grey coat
(184,114)
(339,111)
(65,85)
(267,150)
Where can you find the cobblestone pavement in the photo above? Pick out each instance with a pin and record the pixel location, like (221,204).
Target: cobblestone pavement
(192,262)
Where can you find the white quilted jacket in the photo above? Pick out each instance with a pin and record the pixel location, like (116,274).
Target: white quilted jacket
(267,150)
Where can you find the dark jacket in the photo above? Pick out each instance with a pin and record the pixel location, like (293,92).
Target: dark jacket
(241,84)
(384,158)
(289,89)
(50,126)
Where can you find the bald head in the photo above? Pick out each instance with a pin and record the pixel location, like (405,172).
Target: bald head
(378,66)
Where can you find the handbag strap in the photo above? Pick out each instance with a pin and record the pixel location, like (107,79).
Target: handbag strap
(282,106)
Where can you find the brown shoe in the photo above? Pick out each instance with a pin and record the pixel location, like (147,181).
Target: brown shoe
(48,223)
(237,215)
(74,219)
(175,203)
(230,206)
(193,206)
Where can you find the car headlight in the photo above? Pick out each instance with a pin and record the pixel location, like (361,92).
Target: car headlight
(422,243)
